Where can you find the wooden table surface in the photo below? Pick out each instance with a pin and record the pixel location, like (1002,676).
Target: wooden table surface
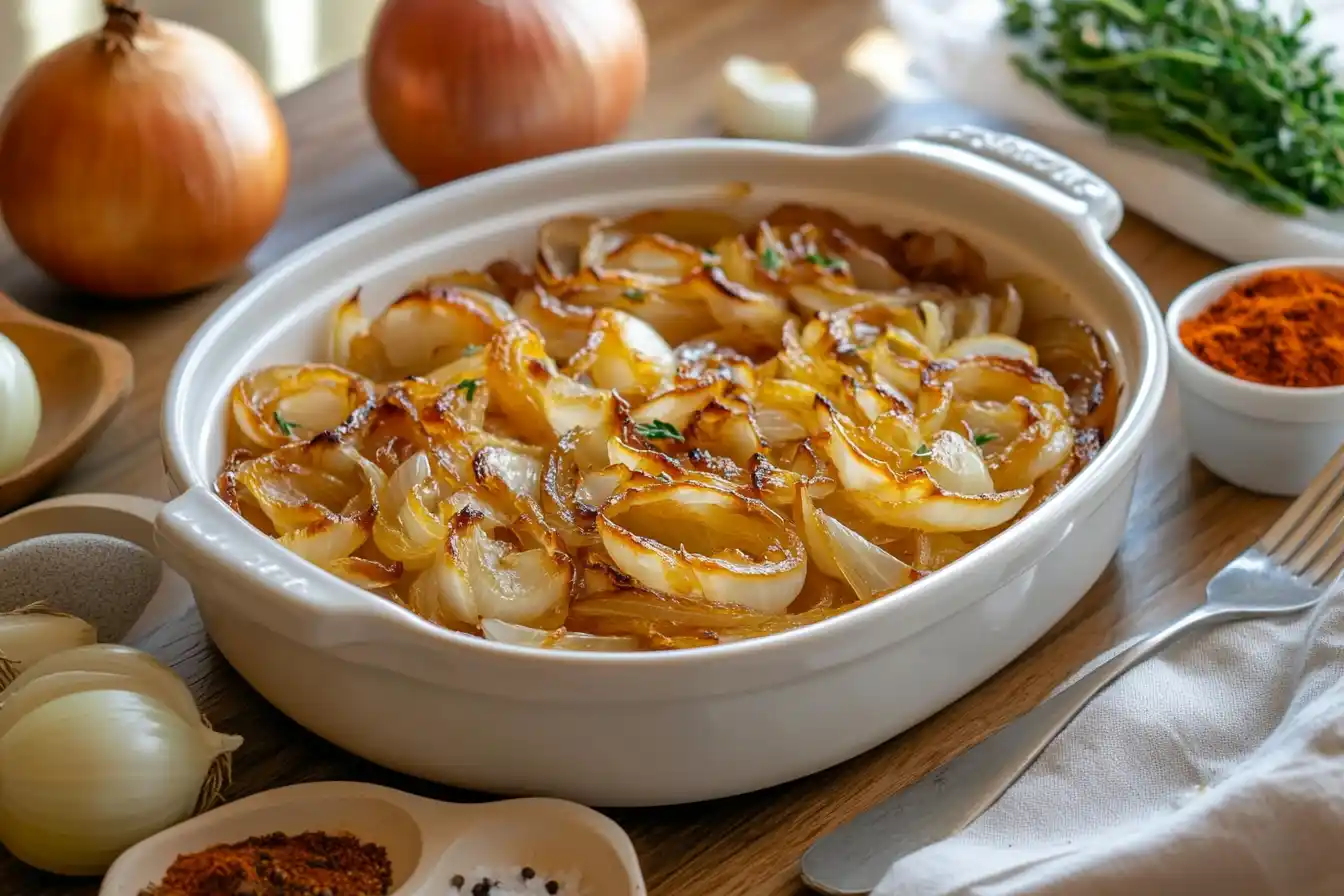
(1184,525)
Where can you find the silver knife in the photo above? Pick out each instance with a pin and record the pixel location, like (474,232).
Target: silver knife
(853,858)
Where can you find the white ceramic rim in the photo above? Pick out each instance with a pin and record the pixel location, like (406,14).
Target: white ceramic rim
(1279,403)
(1146,388)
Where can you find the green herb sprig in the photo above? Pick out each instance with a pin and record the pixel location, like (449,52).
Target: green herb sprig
(286,426)
(1234,85)
(659,429)
(469,387)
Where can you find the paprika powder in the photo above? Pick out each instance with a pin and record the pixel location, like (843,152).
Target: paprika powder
(309,864)
(1280,328)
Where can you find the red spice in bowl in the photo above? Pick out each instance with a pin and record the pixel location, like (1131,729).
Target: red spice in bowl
(1281,328)
(309,864)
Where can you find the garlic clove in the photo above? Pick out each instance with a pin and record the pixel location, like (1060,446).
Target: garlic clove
(765,102)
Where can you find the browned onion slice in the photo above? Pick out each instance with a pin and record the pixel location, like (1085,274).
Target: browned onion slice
(692,540)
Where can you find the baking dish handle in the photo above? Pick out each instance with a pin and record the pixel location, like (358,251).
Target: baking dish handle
(1073,189)
(195,534)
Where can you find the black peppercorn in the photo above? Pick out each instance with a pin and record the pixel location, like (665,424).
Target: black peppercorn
(529,873)
(483,888)
(457,881)
(552,887)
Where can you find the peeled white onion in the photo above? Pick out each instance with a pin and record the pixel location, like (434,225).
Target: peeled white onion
(765,102)
(89,774)
(20,407)
(455,88)
(142,159)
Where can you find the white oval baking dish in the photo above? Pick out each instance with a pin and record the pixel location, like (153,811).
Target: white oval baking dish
(655,728)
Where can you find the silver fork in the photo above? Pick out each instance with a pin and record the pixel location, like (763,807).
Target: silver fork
(1287,571)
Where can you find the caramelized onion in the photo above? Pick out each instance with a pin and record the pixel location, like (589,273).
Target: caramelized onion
(705,543)
(648,450)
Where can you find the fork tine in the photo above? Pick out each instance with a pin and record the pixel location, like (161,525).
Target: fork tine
(1330,556)
(1298,551)
(1336,569)
(1317,554)
(1305,514)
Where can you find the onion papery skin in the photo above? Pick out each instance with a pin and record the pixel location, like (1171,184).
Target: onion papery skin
(141,167)
(456,88)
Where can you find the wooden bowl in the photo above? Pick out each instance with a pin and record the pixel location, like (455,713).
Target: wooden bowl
(84,379)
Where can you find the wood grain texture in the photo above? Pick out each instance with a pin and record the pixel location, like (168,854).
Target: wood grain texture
(1184,525)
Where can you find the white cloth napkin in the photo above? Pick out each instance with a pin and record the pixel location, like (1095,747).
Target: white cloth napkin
(1214,768)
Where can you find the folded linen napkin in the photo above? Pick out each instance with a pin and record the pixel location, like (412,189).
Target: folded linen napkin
(1214,768)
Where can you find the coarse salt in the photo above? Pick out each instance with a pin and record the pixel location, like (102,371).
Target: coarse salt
(517,881)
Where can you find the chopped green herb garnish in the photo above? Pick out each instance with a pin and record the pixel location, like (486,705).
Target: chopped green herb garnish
(824,261)
(635,295)
(659,429)
(469,387)
(771,259)
(923,451)
(985,438)
(286,426)
(470,350)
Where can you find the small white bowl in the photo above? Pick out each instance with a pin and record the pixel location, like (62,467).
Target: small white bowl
(1268,439)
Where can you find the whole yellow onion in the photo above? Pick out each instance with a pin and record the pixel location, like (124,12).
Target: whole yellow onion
(143,159)
(458,87)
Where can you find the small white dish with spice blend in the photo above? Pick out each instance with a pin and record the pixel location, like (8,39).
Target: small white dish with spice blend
(1258,353)
(365,840)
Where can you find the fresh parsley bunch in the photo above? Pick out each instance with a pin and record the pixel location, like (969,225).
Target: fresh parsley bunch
(1234,85)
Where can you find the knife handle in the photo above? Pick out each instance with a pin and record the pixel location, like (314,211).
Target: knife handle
(852,859)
